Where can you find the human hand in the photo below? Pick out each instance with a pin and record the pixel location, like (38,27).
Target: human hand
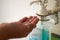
(21,28)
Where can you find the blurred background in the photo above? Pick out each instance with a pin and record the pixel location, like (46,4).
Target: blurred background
(14,10)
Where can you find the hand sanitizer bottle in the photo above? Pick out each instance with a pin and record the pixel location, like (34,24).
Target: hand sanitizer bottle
(46,28)
(42,31)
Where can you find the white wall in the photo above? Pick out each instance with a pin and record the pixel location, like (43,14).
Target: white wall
(13,10)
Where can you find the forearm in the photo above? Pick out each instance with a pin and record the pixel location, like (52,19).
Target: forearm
(8,30)
(12,30)
(3,32)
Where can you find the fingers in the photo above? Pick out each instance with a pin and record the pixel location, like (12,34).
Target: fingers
(32,22)
(32,19)
(35,20)
(23,19)
(28,19)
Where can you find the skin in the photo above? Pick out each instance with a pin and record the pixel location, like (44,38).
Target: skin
(18,29)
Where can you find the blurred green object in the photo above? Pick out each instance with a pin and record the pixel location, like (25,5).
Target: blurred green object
(54,38)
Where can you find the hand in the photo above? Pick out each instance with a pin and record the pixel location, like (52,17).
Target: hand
(21,28)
